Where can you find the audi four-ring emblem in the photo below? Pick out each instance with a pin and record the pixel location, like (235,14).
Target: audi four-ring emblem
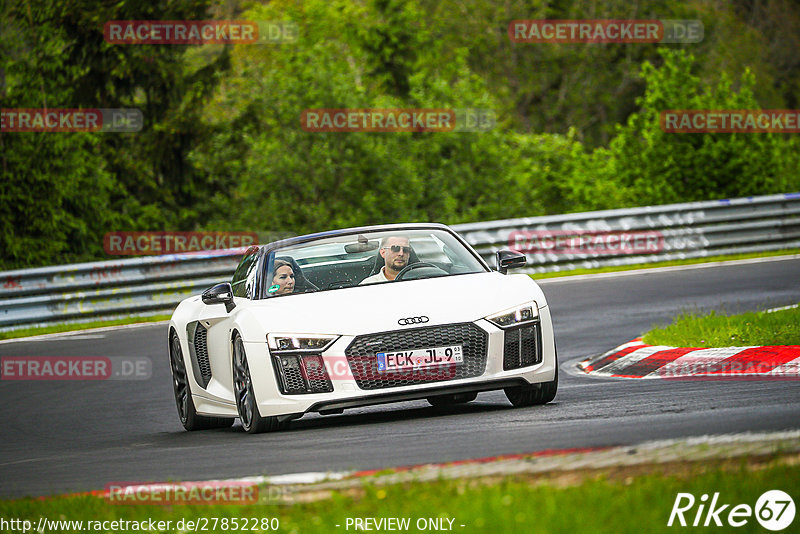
(413,320)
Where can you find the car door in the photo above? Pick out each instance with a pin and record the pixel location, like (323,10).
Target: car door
(210,336)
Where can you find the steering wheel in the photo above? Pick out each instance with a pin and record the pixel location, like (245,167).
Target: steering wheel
(411,266)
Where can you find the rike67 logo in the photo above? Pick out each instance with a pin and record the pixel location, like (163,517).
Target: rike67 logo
(774,510)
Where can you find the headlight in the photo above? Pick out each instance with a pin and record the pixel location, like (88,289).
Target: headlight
(515,316)
(299,342)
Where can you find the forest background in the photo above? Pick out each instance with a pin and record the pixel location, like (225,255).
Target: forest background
(223,149)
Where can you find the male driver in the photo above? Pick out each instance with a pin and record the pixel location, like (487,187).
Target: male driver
(395,252)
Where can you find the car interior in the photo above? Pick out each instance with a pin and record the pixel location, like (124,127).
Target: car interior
(335,275)
(348,264)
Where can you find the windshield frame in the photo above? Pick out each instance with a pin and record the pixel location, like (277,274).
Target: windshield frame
(268,249)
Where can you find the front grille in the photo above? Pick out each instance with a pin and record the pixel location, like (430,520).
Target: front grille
(522,346)
(361,355)
(301,373)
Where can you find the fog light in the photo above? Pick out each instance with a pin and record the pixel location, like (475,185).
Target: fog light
(285,343)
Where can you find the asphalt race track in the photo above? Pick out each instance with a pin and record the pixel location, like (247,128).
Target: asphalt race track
(61,436)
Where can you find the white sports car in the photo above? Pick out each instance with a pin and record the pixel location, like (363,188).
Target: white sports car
(356,317)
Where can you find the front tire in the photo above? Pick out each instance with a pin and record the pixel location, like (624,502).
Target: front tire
(533,394)
(246,404)
(183,394)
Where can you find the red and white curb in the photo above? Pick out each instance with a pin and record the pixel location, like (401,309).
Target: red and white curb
(636,359)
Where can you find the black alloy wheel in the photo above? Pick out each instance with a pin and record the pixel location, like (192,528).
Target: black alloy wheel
(190,419)
(246,404)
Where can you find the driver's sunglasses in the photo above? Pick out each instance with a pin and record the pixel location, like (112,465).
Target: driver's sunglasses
(398,248)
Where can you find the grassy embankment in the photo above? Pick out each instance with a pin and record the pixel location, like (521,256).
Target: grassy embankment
(615,501)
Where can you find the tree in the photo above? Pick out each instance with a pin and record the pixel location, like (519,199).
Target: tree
(655,167)
(63,191)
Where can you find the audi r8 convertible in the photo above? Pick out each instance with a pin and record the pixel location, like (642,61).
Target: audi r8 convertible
(356,317)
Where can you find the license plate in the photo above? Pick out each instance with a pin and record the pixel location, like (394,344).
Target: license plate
(418,358)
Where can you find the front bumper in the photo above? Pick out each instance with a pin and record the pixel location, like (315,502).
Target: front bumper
(350,388)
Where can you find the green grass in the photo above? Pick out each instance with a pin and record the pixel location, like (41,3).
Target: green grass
(719,330)
(617,501)
(691,261)
(67,327)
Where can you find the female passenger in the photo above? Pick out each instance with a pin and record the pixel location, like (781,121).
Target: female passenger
(282,279)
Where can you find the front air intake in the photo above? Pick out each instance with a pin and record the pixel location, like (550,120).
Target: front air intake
(197,335)
(300,374)
(522,346)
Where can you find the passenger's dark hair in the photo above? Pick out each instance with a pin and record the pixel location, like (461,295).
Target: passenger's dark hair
(277,264)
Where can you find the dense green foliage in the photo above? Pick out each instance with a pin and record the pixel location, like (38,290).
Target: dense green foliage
(223,148)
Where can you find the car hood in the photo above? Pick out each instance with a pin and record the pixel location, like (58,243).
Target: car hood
(378,307)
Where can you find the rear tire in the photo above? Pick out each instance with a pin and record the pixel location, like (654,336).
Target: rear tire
(533,394)
(452,399)
(183,394)
(246,404)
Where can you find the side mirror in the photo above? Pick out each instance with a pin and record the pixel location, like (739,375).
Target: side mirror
(509,259)
(220,294)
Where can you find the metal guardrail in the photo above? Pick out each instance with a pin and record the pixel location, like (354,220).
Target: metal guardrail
(154,285)
(690,230)
(108,289)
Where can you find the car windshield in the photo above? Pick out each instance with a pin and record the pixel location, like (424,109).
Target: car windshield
(367,258)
